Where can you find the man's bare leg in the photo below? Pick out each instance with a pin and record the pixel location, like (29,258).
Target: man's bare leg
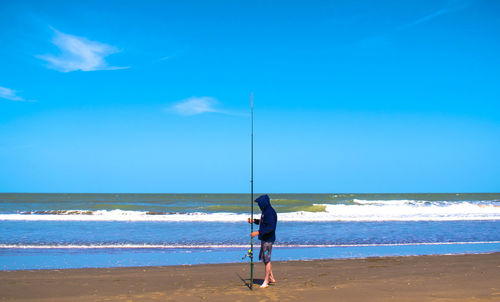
(268,274)
(271,276)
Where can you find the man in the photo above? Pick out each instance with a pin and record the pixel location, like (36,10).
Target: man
(266,233)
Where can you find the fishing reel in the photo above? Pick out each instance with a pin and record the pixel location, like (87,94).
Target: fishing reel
(249,254)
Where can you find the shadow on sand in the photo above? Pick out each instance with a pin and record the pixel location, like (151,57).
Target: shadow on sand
(247,281)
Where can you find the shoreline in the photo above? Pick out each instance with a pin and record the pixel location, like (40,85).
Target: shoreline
(239,262)
(74,258)
(461,277)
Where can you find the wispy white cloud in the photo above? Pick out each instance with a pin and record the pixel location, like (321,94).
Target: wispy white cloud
(196,105)
(10,94)
(79,53)
(384,38)
(199,105)
(449,7)
(427,18)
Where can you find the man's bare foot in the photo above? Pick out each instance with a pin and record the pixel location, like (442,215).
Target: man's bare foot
(272,281)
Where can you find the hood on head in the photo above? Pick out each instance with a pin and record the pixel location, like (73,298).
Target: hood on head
(263,202)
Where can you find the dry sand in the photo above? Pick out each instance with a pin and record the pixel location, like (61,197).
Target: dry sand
(419,278)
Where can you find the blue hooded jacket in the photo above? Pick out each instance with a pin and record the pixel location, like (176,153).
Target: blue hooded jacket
(268,219)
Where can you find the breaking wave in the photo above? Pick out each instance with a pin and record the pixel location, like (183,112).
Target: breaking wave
(358,210)
(219,246)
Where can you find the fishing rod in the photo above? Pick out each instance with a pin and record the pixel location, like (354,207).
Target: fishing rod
(250,251)
(251,194)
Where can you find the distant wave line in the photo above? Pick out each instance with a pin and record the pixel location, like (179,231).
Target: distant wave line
(398,210)
(238,218)
(216,246)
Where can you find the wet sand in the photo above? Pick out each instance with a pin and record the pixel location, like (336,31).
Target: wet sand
(419,278)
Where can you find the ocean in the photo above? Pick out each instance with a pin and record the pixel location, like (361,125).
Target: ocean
(55,231)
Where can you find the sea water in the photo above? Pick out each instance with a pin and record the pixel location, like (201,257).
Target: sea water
(109,230)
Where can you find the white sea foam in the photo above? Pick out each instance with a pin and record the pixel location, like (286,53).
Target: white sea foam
(386,202)
(398,210)
(408,211)
(220,246)
(121,215)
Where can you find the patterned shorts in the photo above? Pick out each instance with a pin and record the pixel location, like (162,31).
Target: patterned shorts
(265,251)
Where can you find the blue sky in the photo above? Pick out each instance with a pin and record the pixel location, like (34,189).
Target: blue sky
(153,96)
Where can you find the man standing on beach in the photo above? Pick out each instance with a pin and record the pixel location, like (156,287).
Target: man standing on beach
(267,227)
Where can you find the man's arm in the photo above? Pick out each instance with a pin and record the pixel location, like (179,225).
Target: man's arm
(268,225)
(255,220)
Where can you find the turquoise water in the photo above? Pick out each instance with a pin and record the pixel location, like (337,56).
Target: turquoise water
(101,230)
(213,203)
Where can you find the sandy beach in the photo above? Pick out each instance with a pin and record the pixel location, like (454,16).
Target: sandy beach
(419,278)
